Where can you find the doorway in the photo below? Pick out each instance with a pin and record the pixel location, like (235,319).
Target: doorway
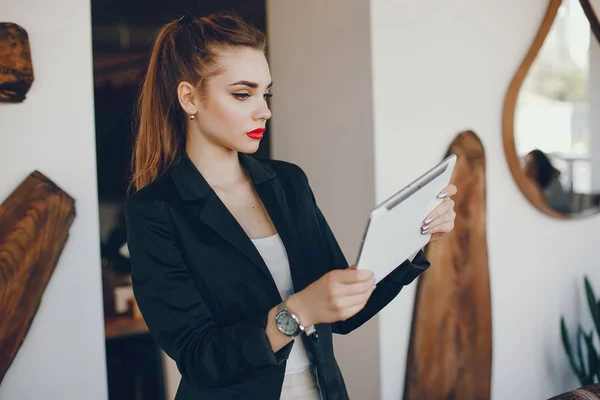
(122,34)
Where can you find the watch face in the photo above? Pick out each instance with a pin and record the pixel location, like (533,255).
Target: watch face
(286,323)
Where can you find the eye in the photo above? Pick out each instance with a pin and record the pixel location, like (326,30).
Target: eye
(268,95)
(241,96)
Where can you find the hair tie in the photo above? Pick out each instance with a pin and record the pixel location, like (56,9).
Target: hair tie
(186,19)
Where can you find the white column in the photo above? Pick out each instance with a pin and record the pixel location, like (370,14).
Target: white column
(320,58)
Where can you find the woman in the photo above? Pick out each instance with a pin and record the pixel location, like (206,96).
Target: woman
(234,267)
(541,172)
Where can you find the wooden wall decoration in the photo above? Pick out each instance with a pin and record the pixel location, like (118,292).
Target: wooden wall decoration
(16,69)
(34,226)
(450,350)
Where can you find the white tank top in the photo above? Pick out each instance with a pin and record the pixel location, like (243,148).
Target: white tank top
(273,253)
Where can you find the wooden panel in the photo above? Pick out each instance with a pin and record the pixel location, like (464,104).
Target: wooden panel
(450,350)
(16,70)
(34,226)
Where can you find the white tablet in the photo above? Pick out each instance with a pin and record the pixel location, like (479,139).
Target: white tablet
(393,231)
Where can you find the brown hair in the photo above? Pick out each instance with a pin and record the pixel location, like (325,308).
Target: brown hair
(183,50)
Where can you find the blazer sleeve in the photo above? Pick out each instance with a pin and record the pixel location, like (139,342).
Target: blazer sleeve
(207,355)
(387,289)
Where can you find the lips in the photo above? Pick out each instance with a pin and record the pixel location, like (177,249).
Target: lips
(256,134)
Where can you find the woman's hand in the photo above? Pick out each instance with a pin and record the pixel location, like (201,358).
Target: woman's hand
(336,296)
(440,221)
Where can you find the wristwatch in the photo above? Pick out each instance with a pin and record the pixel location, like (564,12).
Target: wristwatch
(289,324)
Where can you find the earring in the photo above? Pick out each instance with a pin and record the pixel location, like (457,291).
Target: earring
(192,116)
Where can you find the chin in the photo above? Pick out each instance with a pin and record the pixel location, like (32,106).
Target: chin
(249,149)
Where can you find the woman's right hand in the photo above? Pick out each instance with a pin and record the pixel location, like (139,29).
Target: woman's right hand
(336,296)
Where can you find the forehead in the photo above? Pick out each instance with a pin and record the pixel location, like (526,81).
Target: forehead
(529,159)
(242,64)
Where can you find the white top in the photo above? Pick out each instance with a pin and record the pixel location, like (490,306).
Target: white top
(275,257)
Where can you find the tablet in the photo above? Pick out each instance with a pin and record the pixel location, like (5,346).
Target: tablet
(393,230)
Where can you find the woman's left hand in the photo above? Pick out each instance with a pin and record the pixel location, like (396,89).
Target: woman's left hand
(440,221)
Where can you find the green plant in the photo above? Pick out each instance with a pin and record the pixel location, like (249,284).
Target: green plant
(588,371)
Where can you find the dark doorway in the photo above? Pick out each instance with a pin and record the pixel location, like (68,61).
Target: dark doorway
(122,33)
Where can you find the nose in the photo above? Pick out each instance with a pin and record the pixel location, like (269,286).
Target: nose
(263,113)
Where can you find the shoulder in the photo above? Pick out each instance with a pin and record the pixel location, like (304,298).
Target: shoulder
(147,204)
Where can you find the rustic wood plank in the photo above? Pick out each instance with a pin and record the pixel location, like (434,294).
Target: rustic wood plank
(16,68)
(34,226)
(450,350)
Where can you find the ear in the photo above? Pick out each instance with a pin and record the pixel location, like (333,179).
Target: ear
(188,97)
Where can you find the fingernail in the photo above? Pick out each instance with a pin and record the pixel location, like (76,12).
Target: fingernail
(428,220)
(442,195)
(425,227)
(424,231)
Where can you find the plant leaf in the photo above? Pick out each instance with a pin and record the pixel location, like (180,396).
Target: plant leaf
(583,378)
(592,302)
(564,333)
(593,361)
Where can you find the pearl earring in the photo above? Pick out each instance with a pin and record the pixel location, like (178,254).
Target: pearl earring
(192,116)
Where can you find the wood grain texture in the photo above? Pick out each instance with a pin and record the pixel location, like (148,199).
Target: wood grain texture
(16,68)
(590,392)
(34,226)
(450,350)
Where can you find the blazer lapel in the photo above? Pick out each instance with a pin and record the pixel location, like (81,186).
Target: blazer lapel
(269,188)
(274,198)
(209,208)
(216,215)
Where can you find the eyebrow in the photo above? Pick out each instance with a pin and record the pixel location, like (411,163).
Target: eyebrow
(252,85)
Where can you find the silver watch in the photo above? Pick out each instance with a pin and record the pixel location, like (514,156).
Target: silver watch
(289,324)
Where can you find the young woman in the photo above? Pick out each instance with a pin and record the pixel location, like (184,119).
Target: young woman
(541,172)
(234,267)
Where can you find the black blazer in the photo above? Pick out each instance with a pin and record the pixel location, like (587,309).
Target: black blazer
(205,292)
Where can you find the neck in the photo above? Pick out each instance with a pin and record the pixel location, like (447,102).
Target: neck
(218,165)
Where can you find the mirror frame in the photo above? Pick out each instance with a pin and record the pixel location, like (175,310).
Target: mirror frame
(510,103)
(592,16)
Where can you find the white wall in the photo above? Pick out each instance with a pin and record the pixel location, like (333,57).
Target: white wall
(437,69)
(63,355)
(319,54)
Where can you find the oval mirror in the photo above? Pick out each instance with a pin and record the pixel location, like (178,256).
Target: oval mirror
(551,135)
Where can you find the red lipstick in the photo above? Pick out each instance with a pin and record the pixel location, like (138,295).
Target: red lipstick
(256,134)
